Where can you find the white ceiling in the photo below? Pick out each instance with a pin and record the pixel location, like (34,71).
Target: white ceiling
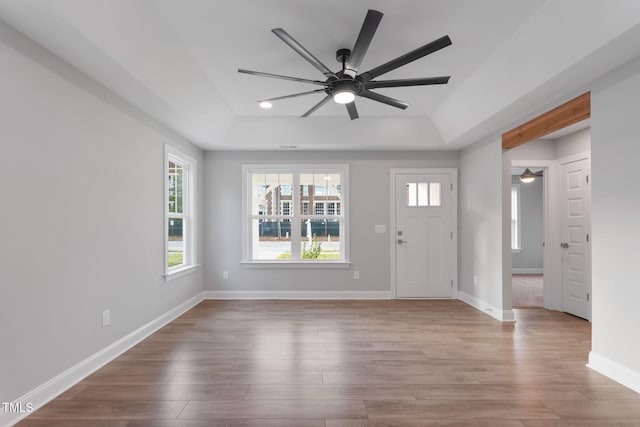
(177,61)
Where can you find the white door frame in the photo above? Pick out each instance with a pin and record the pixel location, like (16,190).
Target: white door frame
(453,173)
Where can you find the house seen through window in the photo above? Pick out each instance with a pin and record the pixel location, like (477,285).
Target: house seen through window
(295,214)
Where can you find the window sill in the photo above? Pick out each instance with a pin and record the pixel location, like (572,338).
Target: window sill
(296,265)
(184,271)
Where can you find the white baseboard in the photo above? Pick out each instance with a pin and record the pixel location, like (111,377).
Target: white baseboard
(527,271)
(46,392)
(298,295)
(495,312)
(617,372)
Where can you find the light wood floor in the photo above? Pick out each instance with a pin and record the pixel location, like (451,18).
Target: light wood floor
(350,364)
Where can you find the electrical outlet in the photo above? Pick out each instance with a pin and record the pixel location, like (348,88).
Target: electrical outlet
(106,318)
(356,275)
(225,275)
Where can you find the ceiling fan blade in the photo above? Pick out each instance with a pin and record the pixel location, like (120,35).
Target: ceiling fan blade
(369,27)
(278,76)
(407,58)
(384,99)
(293,44)
(295,95)
(407,82)
(318,105)
(353,111)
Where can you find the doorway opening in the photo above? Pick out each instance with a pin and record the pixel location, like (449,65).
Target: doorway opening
(557,143)
(527,236)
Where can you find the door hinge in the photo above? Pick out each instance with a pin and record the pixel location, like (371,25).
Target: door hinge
(587,237)
(452,283)
(587,179)
(587,296)
(452,234)
(451,187)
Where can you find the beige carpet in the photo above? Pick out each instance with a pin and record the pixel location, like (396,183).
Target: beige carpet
(527,290)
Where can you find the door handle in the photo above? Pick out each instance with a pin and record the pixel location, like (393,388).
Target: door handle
(564,245)
(400,241)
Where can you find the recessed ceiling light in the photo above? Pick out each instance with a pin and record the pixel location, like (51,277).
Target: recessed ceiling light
(266,104)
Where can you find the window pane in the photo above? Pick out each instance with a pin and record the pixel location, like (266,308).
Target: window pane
(176,193)
(434,194)
(515,215)
(411,194)
(271,239)
(258,194)
(268,191)
(175,242)
(319,208)
(423,194)
(333,184)
(320,239)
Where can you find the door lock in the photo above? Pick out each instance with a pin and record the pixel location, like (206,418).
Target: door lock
(400,241)
(564,245)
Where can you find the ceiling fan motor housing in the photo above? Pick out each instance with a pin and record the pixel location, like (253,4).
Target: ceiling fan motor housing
(345,83)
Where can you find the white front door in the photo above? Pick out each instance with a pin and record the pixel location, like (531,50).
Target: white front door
(575,245)
(423,235)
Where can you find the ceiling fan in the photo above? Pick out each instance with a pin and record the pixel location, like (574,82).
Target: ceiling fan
(529,176)
(344,85)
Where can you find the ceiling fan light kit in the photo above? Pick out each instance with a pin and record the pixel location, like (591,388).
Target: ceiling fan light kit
(528,176)
(344,85)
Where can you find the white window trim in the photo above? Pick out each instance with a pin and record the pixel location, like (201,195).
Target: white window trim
(518,231)
(296,168)
(190,264)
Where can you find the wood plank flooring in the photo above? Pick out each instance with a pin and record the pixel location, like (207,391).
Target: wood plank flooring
(350,364)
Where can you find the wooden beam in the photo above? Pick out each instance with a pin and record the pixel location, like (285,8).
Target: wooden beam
(570,112)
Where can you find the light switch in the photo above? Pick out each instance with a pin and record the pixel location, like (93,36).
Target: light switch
(380,229)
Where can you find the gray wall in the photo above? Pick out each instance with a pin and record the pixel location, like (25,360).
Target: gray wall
(532,226)
(479,209)
(369,205)
(615,108)
(81,214)
(575,143)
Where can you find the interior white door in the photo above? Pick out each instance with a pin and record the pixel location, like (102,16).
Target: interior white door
(424,236)
(575,246)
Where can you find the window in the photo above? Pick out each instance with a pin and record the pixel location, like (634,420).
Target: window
(286,208)
(179,212)
(295,214)
(515,218)
(420,194)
